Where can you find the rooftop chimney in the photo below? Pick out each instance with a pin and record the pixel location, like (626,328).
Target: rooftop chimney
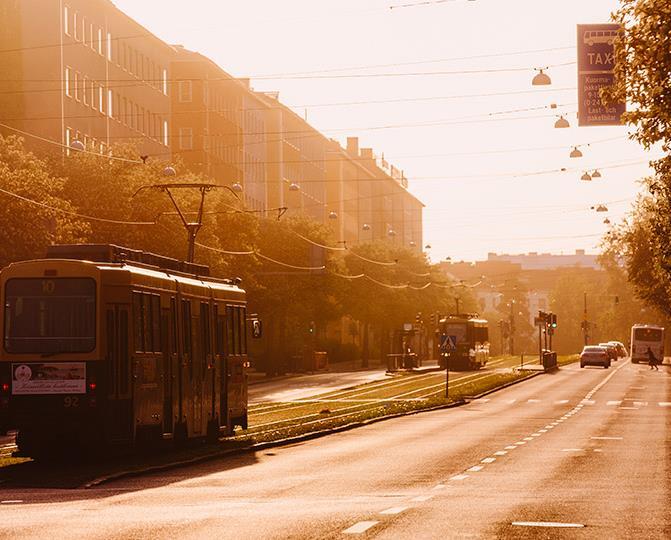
(353,146)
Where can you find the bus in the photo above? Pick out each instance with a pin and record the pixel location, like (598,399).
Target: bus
(464,342)
(106,346)
(644,336)
(591,37)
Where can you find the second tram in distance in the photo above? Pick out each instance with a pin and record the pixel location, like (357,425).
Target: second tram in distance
(464,342)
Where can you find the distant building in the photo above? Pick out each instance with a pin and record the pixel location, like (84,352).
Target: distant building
(547,261)
(83,70)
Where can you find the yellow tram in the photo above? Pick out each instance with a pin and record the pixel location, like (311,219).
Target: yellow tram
(108,346)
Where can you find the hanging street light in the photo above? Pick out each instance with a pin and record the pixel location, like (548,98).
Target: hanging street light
(169,171)
(77,145)
(586,177)
(427,246)
(236,187)
(606,221)
(541,78)
(562,122)
(333,215)
(596,174)
(575,153)
(391,232)
(294,187)
(365,227)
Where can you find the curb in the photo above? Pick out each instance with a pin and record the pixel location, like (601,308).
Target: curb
(260,446)
(292,440)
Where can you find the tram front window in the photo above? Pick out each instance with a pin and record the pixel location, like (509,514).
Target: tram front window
(50,315)
(457,331)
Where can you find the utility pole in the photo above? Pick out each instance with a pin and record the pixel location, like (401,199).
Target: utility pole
(585,324)
(512,326)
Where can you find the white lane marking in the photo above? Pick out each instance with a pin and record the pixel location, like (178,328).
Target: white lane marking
(11,501)
(547,524)
(572,450)
(535,434)
(475,468)
(614,402)
(361,527)
(528,439)
(511,447)
(422,498)
(533,400)
(665,403)
(549,427)
(561,401)
(598,450)
(520,443)
(511,401)
(629,408)
(638,388)
(394,510)
(500,453)
(488,460)
(606,438)
(459,477)
(439,486)
(640,403)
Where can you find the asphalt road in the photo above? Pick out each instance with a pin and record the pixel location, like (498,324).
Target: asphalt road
(584,451)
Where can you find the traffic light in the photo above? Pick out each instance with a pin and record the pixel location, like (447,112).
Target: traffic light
(553,320)
(312,327)
(432,318)
(617,300)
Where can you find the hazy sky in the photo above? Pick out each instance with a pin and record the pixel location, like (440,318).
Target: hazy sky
(445,130)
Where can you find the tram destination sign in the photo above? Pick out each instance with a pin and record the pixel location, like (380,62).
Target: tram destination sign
(596,61)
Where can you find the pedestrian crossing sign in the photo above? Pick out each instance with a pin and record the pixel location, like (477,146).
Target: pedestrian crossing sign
(448,343)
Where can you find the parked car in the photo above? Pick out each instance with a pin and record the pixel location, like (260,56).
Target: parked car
(611,350)
(621,349)
(594,355)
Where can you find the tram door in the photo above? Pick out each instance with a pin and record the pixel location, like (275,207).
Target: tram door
(119,384)
(169,348)
(220,378)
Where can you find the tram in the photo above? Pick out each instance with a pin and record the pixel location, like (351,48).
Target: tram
(464,342)
(106,346)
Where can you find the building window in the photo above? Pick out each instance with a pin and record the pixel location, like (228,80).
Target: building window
(136,118)
(75,24)
(165,82)
(142,124)
(165,133)
(109,46)
(100,41)
(110,108)
(185,139)
(66,20)
(76,85)
(68,82)
(68,140)
(125,111)
(185,91)
(101,99)
(124,56)
(85,85)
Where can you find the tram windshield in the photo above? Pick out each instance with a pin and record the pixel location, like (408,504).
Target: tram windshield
(50,315)
(458,331)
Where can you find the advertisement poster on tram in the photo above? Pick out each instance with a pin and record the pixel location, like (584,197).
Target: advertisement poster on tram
(596,61)
(49,378)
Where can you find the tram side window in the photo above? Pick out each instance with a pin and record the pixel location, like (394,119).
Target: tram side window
(219,332)
(147,322)
(242,312)
(205,328)
(230,332)
(186,330)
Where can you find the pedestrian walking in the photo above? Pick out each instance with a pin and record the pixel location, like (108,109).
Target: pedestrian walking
(652,359)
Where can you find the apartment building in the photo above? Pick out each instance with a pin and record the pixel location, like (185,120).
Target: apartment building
(83,70)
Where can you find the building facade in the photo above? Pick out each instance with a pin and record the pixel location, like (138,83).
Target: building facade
(83,70)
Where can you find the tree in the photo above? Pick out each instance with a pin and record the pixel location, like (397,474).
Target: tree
(34,211)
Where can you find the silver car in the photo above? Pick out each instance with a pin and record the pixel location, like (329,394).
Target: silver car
(594,355)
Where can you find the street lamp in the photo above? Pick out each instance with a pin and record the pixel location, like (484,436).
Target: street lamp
(77,145)
(333,215)
(596,174)
(391,232)
(236,186)
(575,153)
(365,227)
(169,171)
(541,78)
(294,187)
(586,177)
(562,122)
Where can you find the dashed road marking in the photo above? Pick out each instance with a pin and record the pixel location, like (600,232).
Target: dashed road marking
(665,403)
(561,401)
(614,402)
(520,443)
(535,434)
(488,460)
(511,447)
(533,400)
(422,498)
(572,450)
(475,468)
(12,501)
(439,486)
(459,477)
(500,453)
(528,439)
(361,527)
(393,511)
(640,403)
(598,450)
(547,524)
(606,438)
(544,430)
(588,401)
(629,408)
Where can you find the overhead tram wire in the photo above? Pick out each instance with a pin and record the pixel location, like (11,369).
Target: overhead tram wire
(72,213)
